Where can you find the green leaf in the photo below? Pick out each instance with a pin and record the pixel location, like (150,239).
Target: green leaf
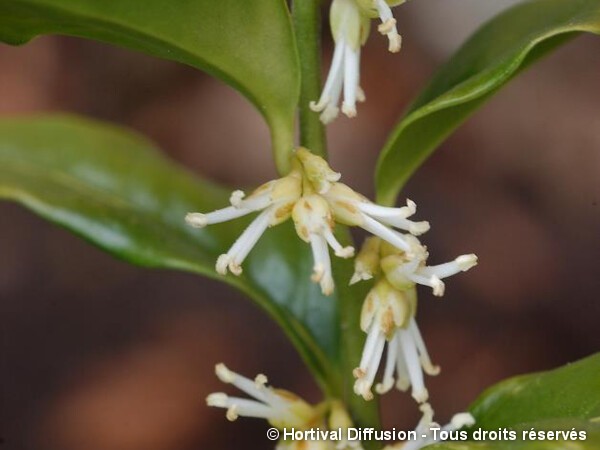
(249,45)
(572,391)
(591,441)
(564,399)
(117,191)
(497,52)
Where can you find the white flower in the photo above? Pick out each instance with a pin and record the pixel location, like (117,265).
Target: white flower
(281,409)
(316,201)
(349,31)
(350,24)
(351,208)
(274,200)
(405,270)
(426,427)
(388,315)
(314,224)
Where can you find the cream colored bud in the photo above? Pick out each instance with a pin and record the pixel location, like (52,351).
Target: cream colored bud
(317,170)
(366,264)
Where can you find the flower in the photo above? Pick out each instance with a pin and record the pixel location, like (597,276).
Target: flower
(283,410)
(350,24)
(404,270)
(313,197)
(426,427)
(388,315)
(353,209)
(280,408)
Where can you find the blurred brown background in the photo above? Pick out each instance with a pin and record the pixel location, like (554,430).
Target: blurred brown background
(98,355)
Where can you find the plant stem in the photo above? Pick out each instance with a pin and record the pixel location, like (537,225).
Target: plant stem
(307,25)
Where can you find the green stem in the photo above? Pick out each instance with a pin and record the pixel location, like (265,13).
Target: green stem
(307,25)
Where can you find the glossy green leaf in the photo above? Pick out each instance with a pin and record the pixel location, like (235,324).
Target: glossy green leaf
(572,391)
(250,45)
(494,54)
(564,399)
(117,191)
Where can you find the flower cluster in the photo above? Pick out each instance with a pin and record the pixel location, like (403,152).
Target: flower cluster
(282,409)
(388,314)
(313,197)
(350,25)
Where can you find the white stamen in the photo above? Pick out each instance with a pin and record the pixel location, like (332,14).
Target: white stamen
(244,384)
(459,421)
(322,267)
(236,198)
(460,264)
(433,282)
(388,26)
(390,365)
(385,233)
(413,364)
(351,77)
(403,378)
(244,244)
(199,220)
(383,212)
(428,366)
(373,364)
(217,399)
(333,86)
(341,252)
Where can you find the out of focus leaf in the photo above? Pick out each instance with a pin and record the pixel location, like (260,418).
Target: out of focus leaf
(249,45)
(116,190)
(491,57)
